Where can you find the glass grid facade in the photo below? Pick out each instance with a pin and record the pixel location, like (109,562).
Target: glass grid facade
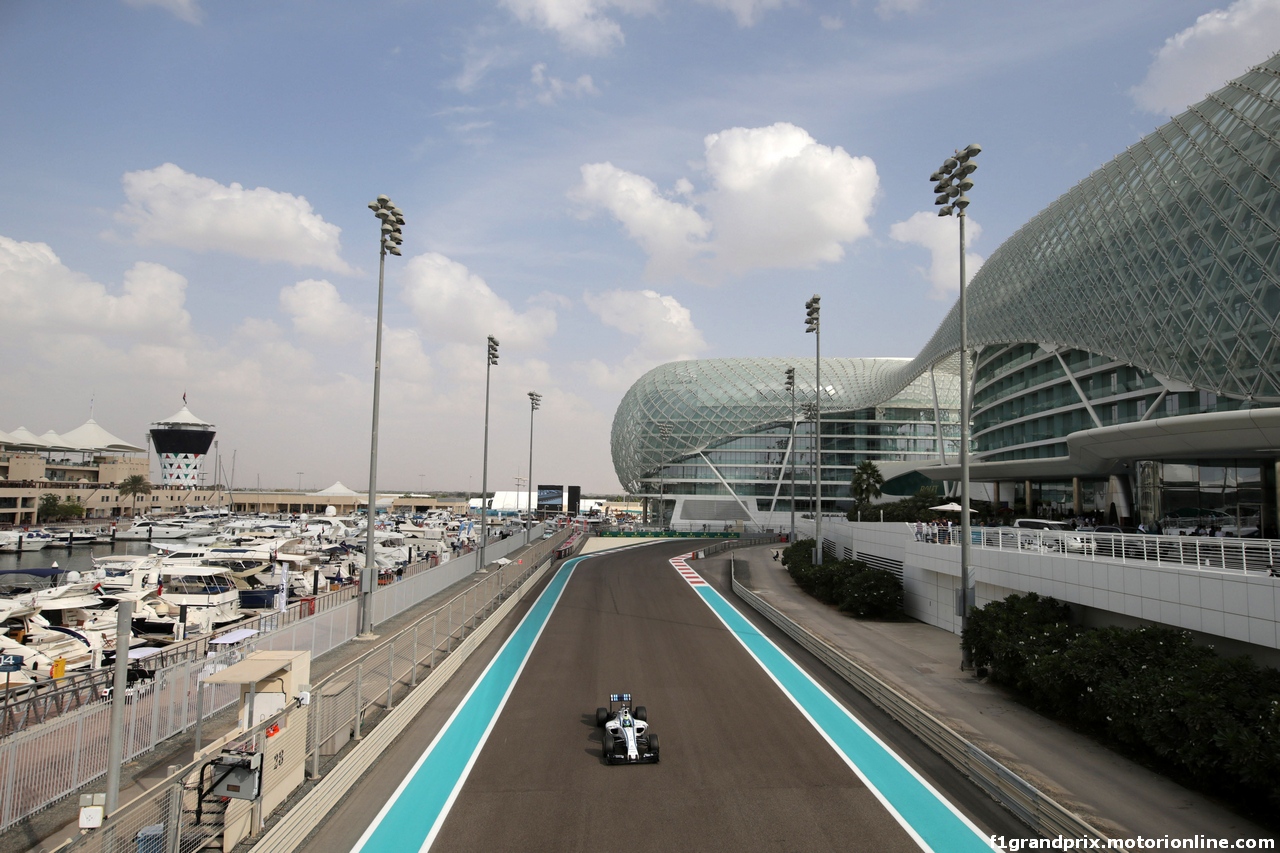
(701,428)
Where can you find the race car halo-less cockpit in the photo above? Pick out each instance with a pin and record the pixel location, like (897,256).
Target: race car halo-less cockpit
(627,739)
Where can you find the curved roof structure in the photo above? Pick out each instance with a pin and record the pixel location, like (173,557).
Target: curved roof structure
(1175,244)
(683,407)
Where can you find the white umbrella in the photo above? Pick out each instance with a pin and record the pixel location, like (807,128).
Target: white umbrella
(951,507)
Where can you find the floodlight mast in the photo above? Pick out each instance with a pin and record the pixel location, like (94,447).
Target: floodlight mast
(953,181)
(392,219)
(813,324)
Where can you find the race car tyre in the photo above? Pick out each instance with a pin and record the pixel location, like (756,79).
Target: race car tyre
(606,748)
(642,713)
(602,717)
(653,745)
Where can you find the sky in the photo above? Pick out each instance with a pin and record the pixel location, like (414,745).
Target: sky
(602,185)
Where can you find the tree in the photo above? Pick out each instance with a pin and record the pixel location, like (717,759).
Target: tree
(866,483)
(49,506)
(132,486)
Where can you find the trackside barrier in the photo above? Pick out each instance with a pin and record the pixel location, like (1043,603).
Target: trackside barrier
(292,830)
(1041,813)
(167,815)
(744,542)
(43,763)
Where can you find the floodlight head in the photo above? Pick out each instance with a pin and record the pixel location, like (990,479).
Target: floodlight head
(973,149)
(962,202)
(394,250)
(945,210)
(949,164)
(965,184)
(383,201)
(936,176)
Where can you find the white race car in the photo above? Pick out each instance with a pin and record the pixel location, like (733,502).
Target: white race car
(627,739)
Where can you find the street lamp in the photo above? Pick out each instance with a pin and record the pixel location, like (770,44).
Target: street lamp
(812,324)
(791,386)
(535,400)
(952,181)
(392,220)
(490,360)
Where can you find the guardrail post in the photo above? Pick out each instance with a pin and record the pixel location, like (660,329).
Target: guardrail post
(391,671)
(315,747)
(174,817)
(413,669)
(359,697)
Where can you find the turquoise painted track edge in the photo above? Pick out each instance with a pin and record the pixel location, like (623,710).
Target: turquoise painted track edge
(931,820)
(411,818)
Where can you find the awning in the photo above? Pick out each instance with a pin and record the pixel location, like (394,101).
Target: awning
(233,636)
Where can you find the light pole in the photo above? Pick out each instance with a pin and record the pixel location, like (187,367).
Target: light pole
(791,386)
(392,219)
(490,360)
(812,324)
(952,181)
(535,400)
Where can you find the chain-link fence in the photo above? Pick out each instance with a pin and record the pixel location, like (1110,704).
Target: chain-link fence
(174,817)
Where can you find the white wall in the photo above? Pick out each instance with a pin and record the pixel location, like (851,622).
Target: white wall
(1216,603)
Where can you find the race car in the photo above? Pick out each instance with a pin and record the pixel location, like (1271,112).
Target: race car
(627,739)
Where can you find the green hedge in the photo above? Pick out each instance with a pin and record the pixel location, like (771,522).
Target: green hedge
(848,584)
(1212,722)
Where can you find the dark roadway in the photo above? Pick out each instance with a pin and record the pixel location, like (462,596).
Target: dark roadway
(742,769)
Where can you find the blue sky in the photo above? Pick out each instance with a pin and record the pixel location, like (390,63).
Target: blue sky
(604,185)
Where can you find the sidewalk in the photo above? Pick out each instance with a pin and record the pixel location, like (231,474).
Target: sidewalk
(46,829)
(1119,797)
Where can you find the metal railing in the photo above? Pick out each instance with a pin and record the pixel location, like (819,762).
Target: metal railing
(1040,812)
(1204,553)
(345,705)
(43,763)
(45,700)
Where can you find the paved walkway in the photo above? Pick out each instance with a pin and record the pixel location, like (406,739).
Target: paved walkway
(1119,797)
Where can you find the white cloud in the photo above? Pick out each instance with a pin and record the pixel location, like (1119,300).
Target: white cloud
(939,234)
(552,89)
(42,297)
(747,12)
(777,199)
(663,329)
(582,26)
(185,10)
(453,304)
(671,233)
(169,206)
(1220,46)
(318,312)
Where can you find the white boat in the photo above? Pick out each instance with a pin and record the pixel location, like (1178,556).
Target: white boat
(147,528)
(24,540)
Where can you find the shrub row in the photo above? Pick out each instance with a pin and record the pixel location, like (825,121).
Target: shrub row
(848,584)
(1212,722)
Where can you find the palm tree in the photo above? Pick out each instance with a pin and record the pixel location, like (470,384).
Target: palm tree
(866,483)
(134,485)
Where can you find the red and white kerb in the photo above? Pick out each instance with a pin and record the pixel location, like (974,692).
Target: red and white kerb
(687,573)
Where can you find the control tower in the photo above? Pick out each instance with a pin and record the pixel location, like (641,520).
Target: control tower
(181,441)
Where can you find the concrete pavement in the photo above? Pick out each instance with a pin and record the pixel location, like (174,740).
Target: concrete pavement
(1118,796)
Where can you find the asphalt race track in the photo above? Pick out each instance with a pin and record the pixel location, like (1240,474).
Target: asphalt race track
(742,768)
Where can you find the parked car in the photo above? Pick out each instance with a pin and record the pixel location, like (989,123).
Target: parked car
(1052,536)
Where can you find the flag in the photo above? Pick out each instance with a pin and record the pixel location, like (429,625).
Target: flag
(184,398)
